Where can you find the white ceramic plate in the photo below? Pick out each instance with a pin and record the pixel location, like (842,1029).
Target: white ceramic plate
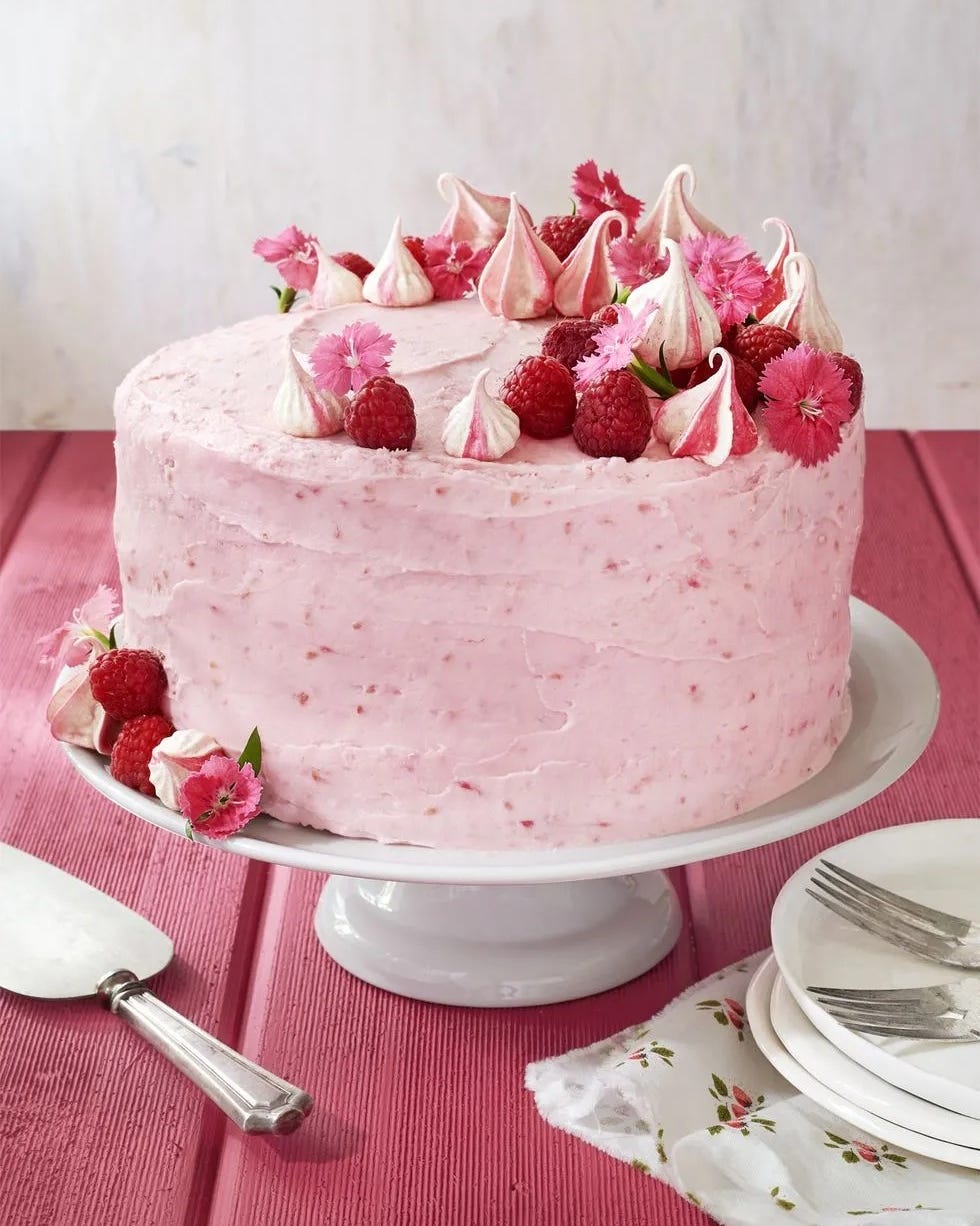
(895,699)
(842,1076)
(937,863)
(757,1006)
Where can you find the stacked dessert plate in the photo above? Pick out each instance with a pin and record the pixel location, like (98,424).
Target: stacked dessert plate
(535,927)
(921,1095)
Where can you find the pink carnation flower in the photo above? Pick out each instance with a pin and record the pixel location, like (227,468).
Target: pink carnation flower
(87,631)
(808,399)
(453,268)
(220,797)
(597,194)
(614,344)
(636,263)
(343,362)
(732,277)
(293,253)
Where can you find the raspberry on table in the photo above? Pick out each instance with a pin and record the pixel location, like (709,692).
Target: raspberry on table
(854,375)
(570,340)
(137,739)
(127,682)
(613,417)
(562,232)
(381,414)
(760,343)
(541,391)
(354,263)
(746,379)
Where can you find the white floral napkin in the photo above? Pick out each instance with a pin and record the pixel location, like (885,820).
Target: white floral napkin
(688,1098)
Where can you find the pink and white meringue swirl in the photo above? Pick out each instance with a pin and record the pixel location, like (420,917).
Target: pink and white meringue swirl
(75,716)
(686,324)
(398,279)
(673,215)
(519,279)
(177,756)
(803,311)
(786,246)
(473,217)
(708,422)
(301,408)
(335,285)
(480,427)
(588,280)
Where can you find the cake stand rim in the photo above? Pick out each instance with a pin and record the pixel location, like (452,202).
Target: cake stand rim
(275,842)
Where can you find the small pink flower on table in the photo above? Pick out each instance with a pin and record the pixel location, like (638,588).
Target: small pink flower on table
(293,254)
(220,798)
(343,362)
(596,193)
(86,632)
(453,268)
(615,344)
(807,399)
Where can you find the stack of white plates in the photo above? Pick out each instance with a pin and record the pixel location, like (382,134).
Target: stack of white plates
(922,1096)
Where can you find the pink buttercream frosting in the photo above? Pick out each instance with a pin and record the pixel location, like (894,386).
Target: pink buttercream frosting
(541,651)
(708,421)
(673,215)
(686,324)
(587,280)
(519,279)
(398,279)
(473,217)
(803,311)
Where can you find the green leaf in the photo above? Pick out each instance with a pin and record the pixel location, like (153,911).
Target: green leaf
(751,319)
(709,1004)
(622,295)
(721,1017)
(785,1204)
(850,1156)
(719,1085)
(898,1159)
(251,755)
(723,1113)
(112,637)
(287,297)
(836,1139)
(638,1165)
(714,1130)
(652,378)
(662,361)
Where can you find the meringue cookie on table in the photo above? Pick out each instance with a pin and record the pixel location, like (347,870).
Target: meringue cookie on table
(473,217)
(709,421)
(480,427)
(686,324)
(301,408)
(518,281)
(673,216)
(804,312)
(588,280)
(177,756)
(335,285)
(398,279)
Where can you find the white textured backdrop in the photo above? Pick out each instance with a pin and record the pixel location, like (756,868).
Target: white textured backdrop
(149,143)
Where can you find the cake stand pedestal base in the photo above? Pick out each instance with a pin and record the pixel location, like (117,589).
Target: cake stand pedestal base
(499,945)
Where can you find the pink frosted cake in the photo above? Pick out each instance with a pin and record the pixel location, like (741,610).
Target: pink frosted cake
(452,632)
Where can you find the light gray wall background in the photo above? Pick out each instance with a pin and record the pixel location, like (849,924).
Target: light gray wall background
(148,143)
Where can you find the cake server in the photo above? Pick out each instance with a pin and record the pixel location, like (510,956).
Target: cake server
(61,939)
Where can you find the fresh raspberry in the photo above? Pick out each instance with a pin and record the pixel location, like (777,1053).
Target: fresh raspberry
(382,414)
(613,417)
(417,247)
(354,263)
(541,391)
(760,343)
(854,375)
(570,340)
(746,379)
(130,760)
(562,232)
(128,682)
(606,315)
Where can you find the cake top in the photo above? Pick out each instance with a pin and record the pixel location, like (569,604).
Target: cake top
(609,332)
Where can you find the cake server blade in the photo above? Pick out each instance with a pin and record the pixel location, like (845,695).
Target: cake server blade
(61,938)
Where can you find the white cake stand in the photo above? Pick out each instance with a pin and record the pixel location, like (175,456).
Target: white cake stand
(535,927)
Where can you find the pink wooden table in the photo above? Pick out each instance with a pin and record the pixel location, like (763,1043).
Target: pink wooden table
(421,1116)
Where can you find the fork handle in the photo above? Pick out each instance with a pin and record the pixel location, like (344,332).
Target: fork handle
(256,1100)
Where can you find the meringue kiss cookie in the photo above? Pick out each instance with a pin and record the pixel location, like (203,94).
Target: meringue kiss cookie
(398,279)
(587,280)
(673,215)
(177,756)
(335,284)
(473,216)
(480,427)
(708,422)
(803,311)
(301,408)
(685,325)
(519,279)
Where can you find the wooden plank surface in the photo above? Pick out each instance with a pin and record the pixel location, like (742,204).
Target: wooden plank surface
(24,455)
(96,1127)
(950,464)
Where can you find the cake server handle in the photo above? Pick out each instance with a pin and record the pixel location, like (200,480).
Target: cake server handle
(256,1100)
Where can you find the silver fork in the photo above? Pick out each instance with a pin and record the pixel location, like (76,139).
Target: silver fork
(949,1011)
(936,935)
